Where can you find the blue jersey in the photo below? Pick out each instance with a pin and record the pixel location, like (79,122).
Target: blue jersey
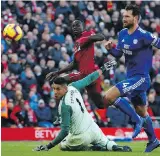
(137,49)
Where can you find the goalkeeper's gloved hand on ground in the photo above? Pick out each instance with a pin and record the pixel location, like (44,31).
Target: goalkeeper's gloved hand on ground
(108,65)
(41,148)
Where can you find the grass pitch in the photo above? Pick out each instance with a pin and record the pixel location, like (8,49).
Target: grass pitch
(25,149)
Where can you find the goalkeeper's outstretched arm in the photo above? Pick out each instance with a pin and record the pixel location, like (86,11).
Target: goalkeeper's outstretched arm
(87,80)
(66,114)
(93,76)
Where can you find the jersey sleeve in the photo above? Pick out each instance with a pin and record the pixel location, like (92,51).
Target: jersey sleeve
(82,40)
(88,33)
(85,81)
(150,39)
(66,112)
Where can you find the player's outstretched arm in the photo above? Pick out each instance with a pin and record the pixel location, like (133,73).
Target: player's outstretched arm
(70,67)
(80,84)
(91,39)
(66,113)
(53,75)
(93,76)
(116,52)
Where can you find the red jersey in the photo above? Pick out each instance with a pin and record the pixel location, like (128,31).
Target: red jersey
(84,58)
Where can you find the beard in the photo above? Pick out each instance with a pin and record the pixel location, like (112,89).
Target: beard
(77,33)
(128,26)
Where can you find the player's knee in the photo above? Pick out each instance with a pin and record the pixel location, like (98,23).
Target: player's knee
(111,95)
(108,100)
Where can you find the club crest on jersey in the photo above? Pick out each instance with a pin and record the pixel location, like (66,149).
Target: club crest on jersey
(135,41)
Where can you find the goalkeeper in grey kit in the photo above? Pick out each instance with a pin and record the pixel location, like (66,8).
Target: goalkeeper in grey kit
(78,130)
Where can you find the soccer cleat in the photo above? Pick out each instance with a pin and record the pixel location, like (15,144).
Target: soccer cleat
(137,129)
(152,145)
(121,148)
(41,148)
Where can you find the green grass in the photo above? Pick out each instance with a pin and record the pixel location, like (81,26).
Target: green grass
(25,149)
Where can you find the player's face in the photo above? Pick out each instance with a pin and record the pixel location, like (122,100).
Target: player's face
(77,28)
(128,19)
(59,91)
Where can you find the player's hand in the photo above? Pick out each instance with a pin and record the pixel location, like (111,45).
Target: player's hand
(52,76)
(41,148)
(108,45)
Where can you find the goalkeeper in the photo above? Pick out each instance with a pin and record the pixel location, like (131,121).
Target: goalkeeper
(78,129)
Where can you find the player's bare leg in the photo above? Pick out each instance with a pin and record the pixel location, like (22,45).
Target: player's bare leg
(111,146)
(112,97)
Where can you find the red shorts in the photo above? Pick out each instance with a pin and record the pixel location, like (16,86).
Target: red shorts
(95,86)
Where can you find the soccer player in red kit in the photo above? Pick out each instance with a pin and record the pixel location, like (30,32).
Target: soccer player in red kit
(83,61)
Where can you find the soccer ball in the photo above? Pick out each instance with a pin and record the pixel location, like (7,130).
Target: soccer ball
(12,32)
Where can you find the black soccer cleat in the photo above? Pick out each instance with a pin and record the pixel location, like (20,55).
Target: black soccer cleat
(152,145)
(121,148)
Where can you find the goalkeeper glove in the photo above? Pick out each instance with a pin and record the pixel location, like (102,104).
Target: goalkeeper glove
(41,148)
(108,65)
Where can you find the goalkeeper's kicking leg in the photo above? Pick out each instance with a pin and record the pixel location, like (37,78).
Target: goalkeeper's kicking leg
(110,146)
(93,139)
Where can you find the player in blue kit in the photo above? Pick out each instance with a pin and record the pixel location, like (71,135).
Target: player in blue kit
(136,45)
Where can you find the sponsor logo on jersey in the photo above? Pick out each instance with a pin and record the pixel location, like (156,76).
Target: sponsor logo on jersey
(135,41)
(126,46)
(128,52)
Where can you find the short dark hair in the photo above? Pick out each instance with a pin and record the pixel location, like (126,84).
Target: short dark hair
(135,9)
(60,81)
(79,21)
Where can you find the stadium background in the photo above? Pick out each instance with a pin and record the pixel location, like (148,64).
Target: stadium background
(47,45)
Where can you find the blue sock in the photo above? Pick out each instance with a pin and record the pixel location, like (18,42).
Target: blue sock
(125,107)
(148,128)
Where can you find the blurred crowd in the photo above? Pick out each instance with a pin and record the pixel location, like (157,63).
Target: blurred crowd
(47,45)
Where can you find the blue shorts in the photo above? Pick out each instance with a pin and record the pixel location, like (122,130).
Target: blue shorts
(135,89)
